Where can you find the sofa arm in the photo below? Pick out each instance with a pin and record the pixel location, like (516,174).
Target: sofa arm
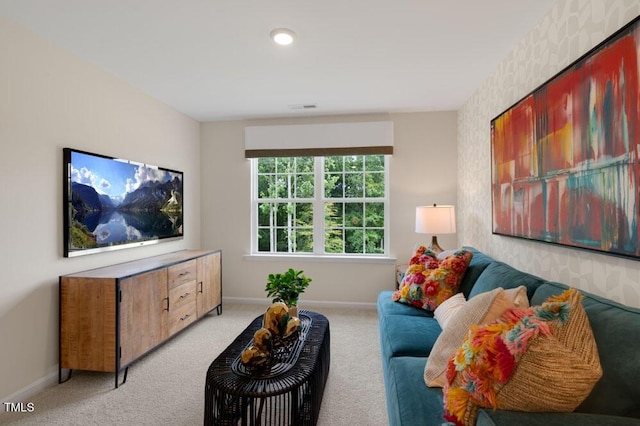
(502,417)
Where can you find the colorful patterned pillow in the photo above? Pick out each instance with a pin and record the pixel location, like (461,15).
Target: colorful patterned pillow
(429,281)
(540,359)
(481,309)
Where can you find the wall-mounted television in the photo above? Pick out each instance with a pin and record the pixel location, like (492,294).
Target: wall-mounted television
(112,203)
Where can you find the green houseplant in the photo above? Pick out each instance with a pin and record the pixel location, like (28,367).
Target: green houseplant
(287,287)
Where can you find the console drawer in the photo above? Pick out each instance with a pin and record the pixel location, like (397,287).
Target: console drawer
(182,317)
(182,273)
(183,294)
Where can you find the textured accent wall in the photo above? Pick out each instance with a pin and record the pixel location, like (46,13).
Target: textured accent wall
(569,30)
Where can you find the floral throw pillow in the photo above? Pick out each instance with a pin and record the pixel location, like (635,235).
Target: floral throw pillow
(429,281)
(538,359)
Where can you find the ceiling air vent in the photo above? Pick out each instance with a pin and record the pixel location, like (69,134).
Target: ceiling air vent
(303,106)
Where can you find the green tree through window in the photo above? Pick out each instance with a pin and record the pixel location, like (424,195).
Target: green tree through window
(321,205)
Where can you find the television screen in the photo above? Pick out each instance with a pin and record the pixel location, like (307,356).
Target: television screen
(111,203)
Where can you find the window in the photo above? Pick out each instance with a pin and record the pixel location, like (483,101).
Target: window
(320,205)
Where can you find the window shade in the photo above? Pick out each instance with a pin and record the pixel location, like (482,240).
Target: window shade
(367,138)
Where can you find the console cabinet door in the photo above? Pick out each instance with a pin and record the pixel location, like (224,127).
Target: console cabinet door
(87,323)
(143,313)
(208,283)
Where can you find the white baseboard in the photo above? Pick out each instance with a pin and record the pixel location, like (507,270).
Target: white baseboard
(305,303)
(26,393)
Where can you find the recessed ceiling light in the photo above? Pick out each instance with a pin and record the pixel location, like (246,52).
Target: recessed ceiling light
(283,36)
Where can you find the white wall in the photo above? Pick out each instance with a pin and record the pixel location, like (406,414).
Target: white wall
(422,172)
(568,31)
(49,100)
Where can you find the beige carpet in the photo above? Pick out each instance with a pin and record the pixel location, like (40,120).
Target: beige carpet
(166,387)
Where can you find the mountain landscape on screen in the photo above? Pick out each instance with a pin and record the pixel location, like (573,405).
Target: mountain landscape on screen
(114,202)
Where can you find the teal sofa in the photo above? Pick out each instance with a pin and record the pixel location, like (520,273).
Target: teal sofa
(407,335)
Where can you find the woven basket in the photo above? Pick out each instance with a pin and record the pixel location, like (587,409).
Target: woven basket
(556,373)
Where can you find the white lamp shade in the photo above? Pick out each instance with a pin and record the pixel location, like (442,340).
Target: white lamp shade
(435,220)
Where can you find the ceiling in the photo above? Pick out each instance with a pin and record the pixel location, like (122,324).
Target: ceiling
(214,60)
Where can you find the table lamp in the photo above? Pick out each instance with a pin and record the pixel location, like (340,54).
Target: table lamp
(435,220)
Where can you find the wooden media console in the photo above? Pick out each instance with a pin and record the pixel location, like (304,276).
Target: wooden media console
(111,316)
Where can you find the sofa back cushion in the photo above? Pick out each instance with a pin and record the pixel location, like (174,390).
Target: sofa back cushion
(478,263)
(616,329)
(499,274)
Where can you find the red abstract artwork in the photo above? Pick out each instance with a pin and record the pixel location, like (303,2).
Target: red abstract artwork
(565,163)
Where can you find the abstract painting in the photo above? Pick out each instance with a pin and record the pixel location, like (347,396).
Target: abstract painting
(565,166)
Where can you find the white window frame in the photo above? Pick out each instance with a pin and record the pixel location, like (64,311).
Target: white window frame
(318,215)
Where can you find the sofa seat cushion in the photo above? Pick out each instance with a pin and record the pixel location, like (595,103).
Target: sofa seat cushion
(509,418)
(386,306)
(408,335)
(405,330)
(409,401)
(499,274)
(616,328)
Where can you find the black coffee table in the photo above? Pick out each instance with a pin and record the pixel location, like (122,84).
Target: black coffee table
(288,392)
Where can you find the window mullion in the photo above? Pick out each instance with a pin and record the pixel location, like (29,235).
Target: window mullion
(254,205)
(318,206)
(290,203)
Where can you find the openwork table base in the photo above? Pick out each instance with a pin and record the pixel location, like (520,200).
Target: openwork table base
(287,392)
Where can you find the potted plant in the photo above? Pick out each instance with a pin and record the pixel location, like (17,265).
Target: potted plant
(287,287)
